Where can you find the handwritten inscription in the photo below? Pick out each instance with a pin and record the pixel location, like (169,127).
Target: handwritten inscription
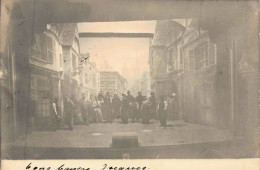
(63,167)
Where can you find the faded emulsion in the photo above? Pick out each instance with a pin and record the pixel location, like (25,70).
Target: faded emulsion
(132,79)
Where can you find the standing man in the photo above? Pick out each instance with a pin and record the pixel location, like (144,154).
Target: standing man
(162,111)
(97,109)
(139,100)
(130,99)
(68,109)
(90,110)
(108,108)
(54,115)
(124,110)
(146,111)
(116,102)
(76,109)
(172,107)
(83,108)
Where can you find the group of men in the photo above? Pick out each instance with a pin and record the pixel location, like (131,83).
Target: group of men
(104,109)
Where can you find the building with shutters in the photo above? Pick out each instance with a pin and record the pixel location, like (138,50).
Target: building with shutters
(196,76)
(46,73)
(183,61)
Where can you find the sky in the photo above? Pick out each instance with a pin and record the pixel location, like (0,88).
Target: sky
(128,56)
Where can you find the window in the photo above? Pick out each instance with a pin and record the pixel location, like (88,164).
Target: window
(38,46)
(41,94)
(110,84)
(201,53)
(51,46)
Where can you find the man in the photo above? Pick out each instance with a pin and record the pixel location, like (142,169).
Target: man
(172,107)
(139,100)
(90,110)
(146,111)
(124,110)
(129,100)
(107,115)
(68,110)
(54,114)
(97,109)
(83,108)
(76,111)
(116,102)
(162,111)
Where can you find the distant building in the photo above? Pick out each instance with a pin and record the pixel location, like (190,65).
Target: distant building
(112,82)
(142,85)
(89,78)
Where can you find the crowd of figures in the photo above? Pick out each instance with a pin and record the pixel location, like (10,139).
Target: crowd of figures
(105,109)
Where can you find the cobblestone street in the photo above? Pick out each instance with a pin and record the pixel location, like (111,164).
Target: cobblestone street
(100,135)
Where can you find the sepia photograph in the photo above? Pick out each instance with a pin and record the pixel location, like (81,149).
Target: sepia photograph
(129,79)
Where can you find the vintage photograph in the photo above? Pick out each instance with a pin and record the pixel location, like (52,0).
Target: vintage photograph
(128,79)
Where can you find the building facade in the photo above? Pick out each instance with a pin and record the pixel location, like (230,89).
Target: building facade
(161,65)
(197,78)
(46,67)
(187,67)
(113,83)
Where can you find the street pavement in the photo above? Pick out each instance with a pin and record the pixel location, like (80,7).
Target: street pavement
(100,135)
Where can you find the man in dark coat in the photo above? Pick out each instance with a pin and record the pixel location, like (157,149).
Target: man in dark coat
(108,108)
(153,105)
(129,100)
(124,109)
(162,111)
(146,111)
(76,111)
(116,102)
(83,108)
(68,110)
